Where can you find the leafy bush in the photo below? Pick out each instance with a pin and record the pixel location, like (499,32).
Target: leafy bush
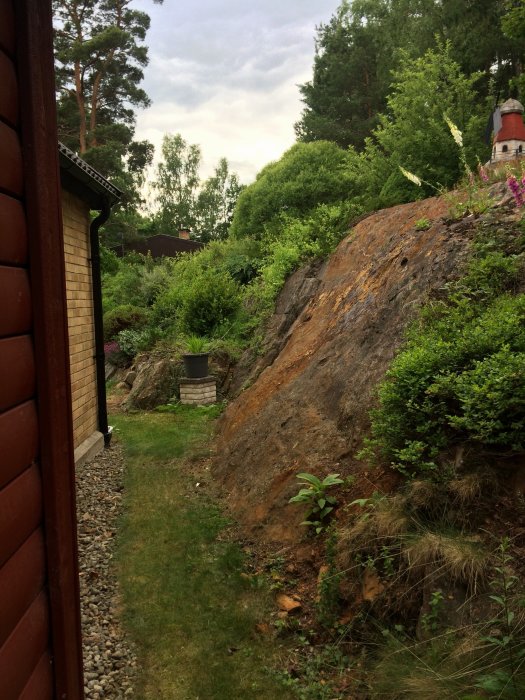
(123,317)
(460,377)
(109,262)
(207,302)
(307,175)
(132,341)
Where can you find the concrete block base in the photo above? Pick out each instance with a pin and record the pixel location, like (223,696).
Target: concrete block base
(89,448)
(198,392)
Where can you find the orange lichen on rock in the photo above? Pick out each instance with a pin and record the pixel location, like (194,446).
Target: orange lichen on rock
(308,410)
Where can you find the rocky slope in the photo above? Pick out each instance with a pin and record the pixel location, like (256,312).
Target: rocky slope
(308,398)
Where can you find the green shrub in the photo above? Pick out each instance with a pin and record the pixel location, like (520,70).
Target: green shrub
(109,262)
(460,377)
(207,302)
(307,175)
(132,341)
(123,317)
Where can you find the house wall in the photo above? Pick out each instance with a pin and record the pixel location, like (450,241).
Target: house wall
(40,639)
(79,294)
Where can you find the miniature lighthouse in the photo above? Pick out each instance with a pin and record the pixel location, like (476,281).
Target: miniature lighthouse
(509,141)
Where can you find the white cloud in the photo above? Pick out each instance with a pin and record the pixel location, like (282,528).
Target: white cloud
(224,74)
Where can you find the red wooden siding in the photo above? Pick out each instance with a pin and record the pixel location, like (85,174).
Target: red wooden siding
(17,371)
(8,91)
(12,172)
(39,619)
(21,580)
(13,241)
(40,685)
(20,511)
(20,655)
(7,27)
(19,440)
(15,318)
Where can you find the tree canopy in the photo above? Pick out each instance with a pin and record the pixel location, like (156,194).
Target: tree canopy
(183,201)
(100,56)
(361,47)
(307,175)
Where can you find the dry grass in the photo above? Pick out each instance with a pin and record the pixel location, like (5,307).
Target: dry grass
(462,558)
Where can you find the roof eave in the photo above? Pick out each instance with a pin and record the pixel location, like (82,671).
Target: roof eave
(81,179)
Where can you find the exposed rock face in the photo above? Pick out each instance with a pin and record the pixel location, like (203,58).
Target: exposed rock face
(155,383)
(308,409)
(299,289)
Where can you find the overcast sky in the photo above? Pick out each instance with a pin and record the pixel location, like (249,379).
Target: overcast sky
(224,74)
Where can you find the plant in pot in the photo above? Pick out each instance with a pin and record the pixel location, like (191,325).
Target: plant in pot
(196,359)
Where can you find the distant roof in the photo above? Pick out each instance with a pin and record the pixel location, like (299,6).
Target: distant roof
(82,179)
(163,245)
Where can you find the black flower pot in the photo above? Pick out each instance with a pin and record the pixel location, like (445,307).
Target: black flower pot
(196,365)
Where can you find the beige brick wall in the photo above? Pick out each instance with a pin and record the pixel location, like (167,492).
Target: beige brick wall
(76,220)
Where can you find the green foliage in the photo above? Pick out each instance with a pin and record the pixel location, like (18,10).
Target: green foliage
(181,575)
(100,59)
(196,344)
(504,681)
(413,132)
(363,44)
(460,377)
(317,671)
(132,341)
(315,496)
(176,184)
(483,659)
(306,176)
(109,262)
(430,620)
(328,600)
(121,318)
(198,303)
(183,202)
(422,224)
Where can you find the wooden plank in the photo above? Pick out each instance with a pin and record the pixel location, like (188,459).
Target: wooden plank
(7,26)
(35,70)
(40,685)
(13,241)
(20,512)
(19,441)
(17,371)
(8,90)
(11,172)
(21,580)
(15,294)
(24,649)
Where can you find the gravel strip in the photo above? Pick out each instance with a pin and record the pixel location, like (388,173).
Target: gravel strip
(109,660)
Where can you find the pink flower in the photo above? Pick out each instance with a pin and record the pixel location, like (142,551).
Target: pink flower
(517,189)
(111,347)
(483,174)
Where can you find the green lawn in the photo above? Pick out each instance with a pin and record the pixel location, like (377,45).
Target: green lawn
(190,611)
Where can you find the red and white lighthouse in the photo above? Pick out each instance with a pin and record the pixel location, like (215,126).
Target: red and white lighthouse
(509,141)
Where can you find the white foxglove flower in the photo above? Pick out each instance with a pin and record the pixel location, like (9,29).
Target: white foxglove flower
(410,176)
(456,133)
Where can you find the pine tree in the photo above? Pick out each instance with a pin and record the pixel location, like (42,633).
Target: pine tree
(100,58)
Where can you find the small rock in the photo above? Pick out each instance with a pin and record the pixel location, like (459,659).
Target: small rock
(287,604)
(371,585)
